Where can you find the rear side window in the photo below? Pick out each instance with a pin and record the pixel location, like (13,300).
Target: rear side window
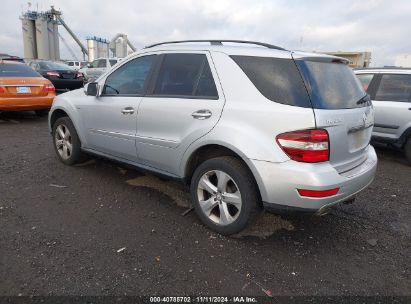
(394,87)
(112,62)
(102,63)
(277,79)
(17,70)
(332,85)
(365,80)
(185,75)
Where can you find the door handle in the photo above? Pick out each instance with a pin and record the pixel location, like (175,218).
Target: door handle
(127,110)
(202,114)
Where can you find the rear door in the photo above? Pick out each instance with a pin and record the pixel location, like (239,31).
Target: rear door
(392,104)
(183,104)
(342,107)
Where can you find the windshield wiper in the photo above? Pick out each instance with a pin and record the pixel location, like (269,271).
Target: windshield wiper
(366,98)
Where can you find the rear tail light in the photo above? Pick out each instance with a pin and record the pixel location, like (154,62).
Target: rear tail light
(2,90)
(49,88)
(309,146)
(53,74)
(318,193)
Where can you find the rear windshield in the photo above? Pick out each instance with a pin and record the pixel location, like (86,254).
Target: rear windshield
(332,85)
(278,79)
(48,65)
(17,70)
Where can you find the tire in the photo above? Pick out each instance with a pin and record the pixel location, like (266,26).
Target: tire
(41,113)
(66,142)
(229,207)
(407,150)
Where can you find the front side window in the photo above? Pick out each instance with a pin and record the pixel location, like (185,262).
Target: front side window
(131,78)
(185,75)
(394,87)
(365,80)
(94,64)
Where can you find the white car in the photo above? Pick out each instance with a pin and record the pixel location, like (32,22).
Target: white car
(76,65)
(97,67)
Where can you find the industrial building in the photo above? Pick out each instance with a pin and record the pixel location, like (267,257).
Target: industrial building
(356,59)
(41,39)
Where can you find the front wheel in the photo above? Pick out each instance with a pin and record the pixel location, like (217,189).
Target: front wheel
(224,194)
(66,142)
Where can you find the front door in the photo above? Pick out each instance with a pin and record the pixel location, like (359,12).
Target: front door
(183,104)
(111,118)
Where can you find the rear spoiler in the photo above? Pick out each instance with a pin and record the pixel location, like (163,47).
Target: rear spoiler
(319,57)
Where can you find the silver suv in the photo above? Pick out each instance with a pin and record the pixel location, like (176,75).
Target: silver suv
(244,126)
(390,91)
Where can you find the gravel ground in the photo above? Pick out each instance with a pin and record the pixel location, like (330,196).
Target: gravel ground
(103,229)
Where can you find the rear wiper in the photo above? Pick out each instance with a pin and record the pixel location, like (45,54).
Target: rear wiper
(364,99)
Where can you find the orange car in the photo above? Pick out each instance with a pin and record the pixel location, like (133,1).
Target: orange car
(23,89)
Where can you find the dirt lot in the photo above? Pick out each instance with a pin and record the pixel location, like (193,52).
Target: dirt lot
(103,229)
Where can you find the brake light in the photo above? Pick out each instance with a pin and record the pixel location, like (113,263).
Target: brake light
(56,74)
(2,90)
(309,146)
(318,193)
(49,88)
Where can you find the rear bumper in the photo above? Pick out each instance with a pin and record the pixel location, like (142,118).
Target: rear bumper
(26,103)
(67,84)
(278,183)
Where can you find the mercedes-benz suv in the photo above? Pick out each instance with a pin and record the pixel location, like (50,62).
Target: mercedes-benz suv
(245,126)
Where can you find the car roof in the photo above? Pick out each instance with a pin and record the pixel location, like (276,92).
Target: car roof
(10,61)
(242,50)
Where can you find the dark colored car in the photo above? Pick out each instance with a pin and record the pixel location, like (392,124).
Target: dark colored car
(11,58)
(63,77)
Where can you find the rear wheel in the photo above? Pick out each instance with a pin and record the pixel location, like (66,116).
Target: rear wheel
(224,194)
(407,150)
(66,142)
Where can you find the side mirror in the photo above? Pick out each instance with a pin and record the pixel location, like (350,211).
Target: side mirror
(88,65)
(92,89)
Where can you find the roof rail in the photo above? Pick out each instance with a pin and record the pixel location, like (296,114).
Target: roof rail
(218,42)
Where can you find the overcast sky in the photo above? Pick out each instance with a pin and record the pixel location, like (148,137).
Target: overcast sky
(380,26)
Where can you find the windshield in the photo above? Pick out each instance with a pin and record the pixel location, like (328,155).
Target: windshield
(46,65)
(17,70)
(332,85)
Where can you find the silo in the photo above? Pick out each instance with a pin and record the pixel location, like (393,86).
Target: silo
(121,47)
(42,38)
(56,40)
(50,31)
(29,38)
(92,49)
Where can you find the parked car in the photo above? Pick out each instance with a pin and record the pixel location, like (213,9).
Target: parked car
(97,67)
(243,126)
(63,77)
(22,89)
(76,65)
(11,58)
(390,91)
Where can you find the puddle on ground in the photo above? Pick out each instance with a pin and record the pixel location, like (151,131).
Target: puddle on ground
(178,193)
(264,226)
